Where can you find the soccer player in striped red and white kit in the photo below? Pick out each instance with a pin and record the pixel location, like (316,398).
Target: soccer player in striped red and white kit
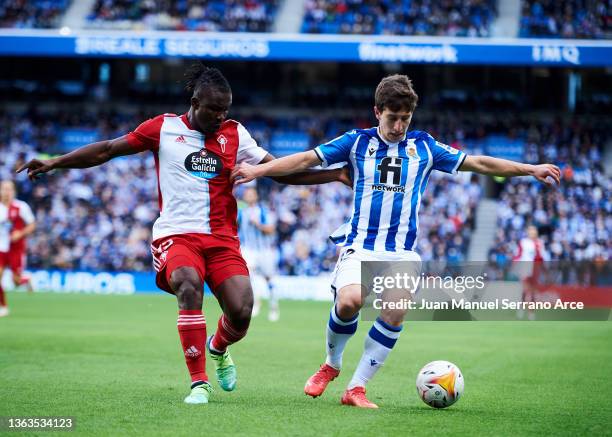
(529,258)
(195,237)
(16,223)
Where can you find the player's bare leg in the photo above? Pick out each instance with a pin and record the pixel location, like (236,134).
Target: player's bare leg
(4,311)
(235,296)
(20,280)
(528,295)
(188,289)
(341,326)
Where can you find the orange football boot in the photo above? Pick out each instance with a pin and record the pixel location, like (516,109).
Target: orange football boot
(356,397)
(317,383)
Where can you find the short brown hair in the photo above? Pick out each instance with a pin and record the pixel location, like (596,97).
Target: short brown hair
(395,92)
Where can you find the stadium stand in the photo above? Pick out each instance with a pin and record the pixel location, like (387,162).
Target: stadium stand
(103,220)
(575,219)
(43,14)
(216,15)
(566,19)
(405,17)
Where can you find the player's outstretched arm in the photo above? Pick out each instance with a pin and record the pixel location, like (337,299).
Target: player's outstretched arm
(296,163)
(90,155)
(547,173)
(312,177)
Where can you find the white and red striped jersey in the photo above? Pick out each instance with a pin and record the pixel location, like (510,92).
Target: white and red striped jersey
(531,250)
(193,171)
(15,217)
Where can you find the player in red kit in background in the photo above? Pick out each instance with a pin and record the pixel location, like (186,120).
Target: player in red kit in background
(530,256)
(195,237)
(16,223)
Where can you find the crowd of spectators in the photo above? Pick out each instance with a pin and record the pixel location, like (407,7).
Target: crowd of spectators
(92,219)
(400,17)
(200,15)
(566,19)
(574,219)
(101,218)
(473,18)
(27,14)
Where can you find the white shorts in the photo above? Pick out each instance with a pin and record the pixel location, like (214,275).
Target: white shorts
(348,266)
(261,262)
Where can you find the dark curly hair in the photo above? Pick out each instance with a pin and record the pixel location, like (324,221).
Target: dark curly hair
(199,76)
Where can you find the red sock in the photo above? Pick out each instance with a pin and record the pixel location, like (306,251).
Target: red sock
(226,334)
(2,297)
(192,330)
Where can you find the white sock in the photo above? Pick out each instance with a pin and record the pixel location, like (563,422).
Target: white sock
(273,300)
(338,333)
(378,343)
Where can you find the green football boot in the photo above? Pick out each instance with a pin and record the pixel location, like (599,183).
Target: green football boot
(224,367)
(199,394)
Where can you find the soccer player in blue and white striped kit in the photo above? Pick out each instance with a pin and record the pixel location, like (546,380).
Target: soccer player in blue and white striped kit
(390,167)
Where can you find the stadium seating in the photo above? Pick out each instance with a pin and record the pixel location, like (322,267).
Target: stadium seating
(405,17)
(103,220)
(574,219)
(216,15)
(566,19)
(41,14)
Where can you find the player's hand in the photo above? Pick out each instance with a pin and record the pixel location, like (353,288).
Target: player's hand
(345,176)
(16,236)
(243,173)
(36,167)
(548,174)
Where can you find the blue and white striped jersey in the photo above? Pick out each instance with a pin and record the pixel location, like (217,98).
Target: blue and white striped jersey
(250,237)
(388,182)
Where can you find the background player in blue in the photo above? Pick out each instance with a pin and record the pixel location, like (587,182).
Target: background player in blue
(257,232)
(390,168)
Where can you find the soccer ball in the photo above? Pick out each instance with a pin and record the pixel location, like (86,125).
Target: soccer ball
(439,384)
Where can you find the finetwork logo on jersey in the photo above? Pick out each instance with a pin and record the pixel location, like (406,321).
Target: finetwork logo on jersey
(204,164)
(390,178)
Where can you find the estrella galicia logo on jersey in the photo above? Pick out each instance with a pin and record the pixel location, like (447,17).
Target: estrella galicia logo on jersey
(390,169)
(204,164)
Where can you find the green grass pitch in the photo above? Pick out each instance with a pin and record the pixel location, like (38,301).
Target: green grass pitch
(115,364)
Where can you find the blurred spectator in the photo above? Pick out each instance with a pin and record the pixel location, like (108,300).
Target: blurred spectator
(101,218)
(210,16)
(400,17)
(574,219)
(566,19)
(41,14)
